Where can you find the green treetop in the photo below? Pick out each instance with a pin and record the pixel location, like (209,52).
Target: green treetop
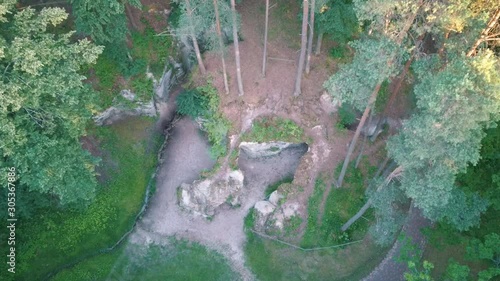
(44,106)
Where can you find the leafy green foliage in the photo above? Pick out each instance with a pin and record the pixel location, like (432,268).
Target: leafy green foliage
(388,205)
(438,142)
(274,129)
(456,271)
(347,116)
(341,205)
(484,177)
(354,82)
(103,20)
(488,249)
(151,48)
(192,103)
(203,103)
(410,254)
(45,107)
(142,87)
(338,52)
(57,237)
(416,273)
(203,21)
(338,19)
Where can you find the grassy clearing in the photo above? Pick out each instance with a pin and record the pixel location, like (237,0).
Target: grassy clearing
(57,237)
(180,260)
(268,129)
(271,260)
(340,206)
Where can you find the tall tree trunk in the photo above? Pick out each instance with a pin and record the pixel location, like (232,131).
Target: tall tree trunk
(300,67)
(201,65)
(363,143)
(130,16)
(372,100)
(264,59)
(318,43)
(221,45)
(368,203)
(237,50)
(311,34)
(493,21)
(394,93)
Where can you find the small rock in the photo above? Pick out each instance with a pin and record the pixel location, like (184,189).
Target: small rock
(128,95)
(264,208)
(275,197)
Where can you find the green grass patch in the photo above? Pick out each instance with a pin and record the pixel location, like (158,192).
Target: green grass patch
(273,187)
(107,72)
(57,237)
(147,49)
(268,129)
(270,260)
(382,97)
(152,48)
(341,204)
(179,260)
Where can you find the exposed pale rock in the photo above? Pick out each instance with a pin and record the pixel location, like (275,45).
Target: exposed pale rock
(204,197)
(262,150)
(264,208)
(328,103)
(275,197)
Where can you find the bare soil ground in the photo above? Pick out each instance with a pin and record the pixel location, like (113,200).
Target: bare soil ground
(272,94)
(269,95)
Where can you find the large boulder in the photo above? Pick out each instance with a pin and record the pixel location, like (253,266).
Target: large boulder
(262,150)
(205,196)
(128,106)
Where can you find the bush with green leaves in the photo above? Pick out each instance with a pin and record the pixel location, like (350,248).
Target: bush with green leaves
(203,104)
(269,129)
(347,116)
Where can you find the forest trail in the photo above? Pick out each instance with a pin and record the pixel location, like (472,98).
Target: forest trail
(187,153)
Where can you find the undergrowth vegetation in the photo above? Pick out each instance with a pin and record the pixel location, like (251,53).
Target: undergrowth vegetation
(271,260)
(268,129)
(179,260)
(58,237)
(202,104)
(447,244)
(341,204)
(119,67)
